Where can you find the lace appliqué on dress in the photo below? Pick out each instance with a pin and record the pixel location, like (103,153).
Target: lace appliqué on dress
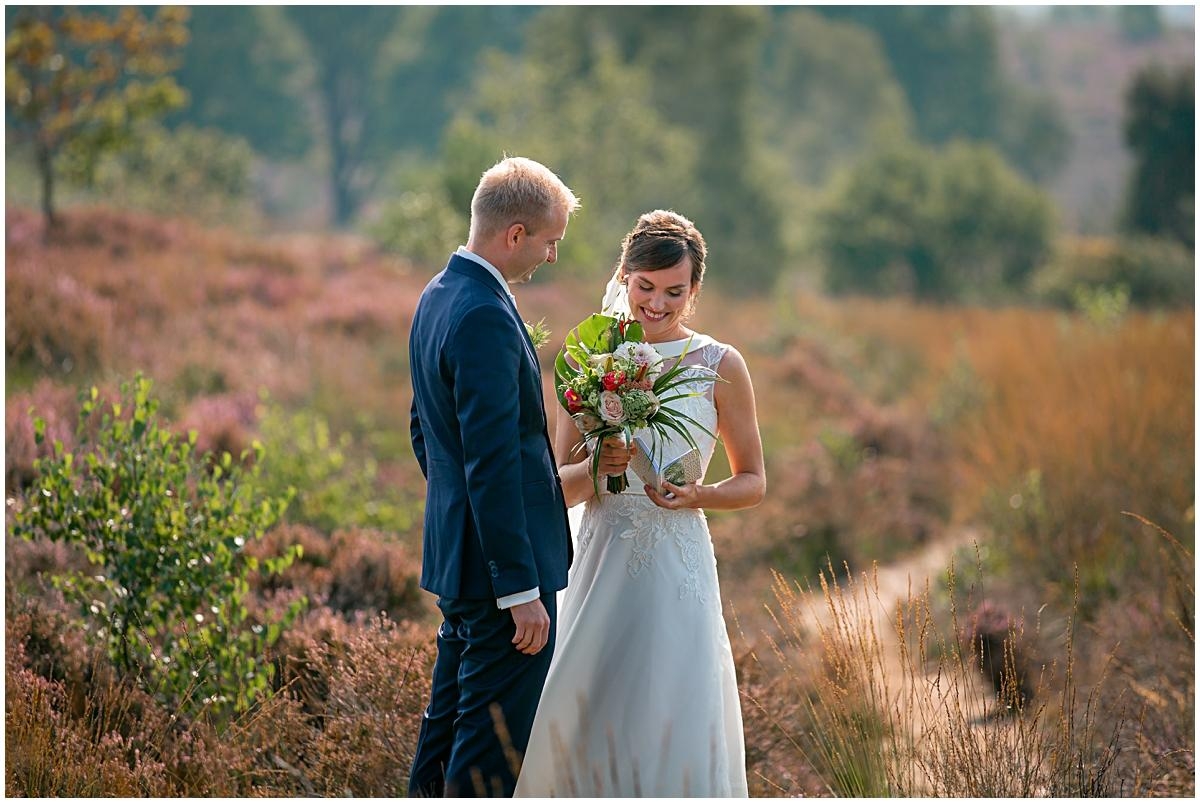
(648,524)
(643,525)
(690,586)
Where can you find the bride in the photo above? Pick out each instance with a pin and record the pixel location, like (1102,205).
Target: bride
(641,699)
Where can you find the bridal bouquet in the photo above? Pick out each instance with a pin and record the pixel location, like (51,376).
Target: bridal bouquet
(614,383)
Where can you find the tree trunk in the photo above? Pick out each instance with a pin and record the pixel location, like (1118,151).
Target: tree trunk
(45,162)
(343,136)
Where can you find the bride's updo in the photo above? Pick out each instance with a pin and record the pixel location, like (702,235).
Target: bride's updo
(660,240)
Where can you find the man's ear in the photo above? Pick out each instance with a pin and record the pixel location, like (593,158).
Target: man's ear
(516,231)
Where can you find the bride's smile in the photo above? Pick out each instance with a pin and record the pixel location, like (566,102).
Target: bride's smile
(659,300)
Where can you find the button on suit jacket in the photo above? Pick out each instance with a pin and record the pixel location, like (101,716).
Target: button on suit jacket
(495,519)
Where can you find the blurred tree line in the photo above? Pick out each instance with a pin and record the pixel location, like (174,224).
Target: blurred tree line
(882,147)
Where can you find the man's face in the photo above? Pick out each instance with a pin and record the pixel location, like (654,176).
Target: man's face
(536,247)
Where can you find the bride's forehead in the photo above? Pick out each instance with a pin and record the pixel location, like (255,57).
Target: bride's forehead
(676,275)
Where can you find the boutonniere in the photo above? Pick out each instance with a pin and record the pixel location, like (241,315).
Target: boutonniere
(538,333)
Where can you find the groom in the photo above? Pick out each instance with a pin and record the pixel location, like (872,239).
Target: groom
(496,544)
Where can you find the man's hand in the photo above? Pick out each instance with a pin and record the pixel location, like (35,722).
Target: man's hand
(533,626)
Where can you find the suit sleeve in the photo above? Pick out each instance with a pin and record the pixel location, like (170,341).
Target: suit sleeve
(484,356)
(418,438)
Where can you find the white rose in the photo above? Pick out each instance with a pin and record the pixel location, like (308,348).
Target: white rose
(611,408)
(645,354)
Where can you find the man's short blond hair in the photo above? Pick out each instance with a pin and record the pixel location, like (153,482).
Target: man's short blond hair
(518,190)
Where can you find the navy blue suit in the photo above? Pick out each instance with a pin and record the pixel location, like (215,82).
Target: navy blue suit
(495,525)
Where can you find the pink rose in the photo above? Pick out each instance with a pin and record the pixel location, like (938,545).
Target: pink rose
(611,408)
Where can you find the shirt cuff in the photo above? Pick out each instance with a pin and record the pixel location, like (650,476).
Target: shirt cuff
(520,598)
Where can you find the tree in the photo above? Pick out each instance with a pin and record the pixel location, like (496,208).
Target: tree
(1139,23)
(243,69)
(940,225)
(701,68)
(947,60)
(601,133)
(1160,129)
(431,63)
(345,45)
(76,82)
(826,94)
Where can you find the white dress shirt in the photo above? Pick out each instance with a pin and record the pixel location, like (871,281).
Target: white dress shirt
(520,597)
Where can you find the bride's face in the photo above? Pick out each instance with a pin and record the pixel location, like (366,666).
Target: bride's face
(659,299)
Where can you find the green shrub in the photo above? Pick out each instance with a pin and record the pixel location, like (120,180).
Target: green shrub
(955,223)
(165,533)
(198,172)
(420,225)
(1153,271)
(335,479)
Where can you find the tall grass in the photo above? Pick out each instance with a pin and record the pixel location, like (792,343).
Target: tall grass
(1055,424)
(892,703)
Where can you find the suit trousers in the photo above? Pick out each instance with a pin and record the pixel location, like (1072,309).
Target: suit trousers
(485,694)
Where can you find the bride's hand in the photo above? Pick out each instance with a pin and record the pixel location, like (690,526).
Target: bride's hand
(615,456)
(681,496)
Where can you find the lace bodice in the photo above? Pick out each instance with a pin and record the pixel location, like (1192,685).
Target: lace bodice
(701,351)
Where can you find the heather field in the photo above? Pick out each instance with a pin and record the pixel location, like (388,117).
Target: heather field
(972,574)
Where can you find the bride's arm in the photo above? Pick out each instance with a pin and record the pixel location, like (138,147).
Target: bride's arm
(737,425)
(574,467)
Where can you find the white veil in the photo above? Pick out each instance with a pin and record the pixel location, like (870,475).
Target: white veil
(616,297)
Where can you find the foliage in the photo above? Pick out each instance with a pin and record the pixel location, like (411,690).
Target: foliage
(420,224)
(723,182)
(1160,130)
(1056,473)
(431,61)
(199,172)
(601,132)
(939,225)
(77,81)
(243,68)
(825,95)
(335,479)
(1139,23)
(55,325)
(166,535)
(948,61)
(1152,271)
(345,45)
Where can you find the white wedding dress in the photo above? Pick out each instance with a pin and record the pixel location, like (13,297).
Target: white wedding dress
(642,699)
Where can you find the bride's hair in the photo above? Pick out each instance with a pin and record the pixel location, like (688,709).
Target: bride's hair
(660,240)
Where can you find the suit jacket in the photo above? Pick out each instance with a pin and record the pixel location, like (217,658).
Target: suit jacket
(495,518)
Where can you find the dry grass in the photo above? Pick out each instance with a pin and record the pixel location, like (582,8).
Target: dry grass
(890,700)
(893,434)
